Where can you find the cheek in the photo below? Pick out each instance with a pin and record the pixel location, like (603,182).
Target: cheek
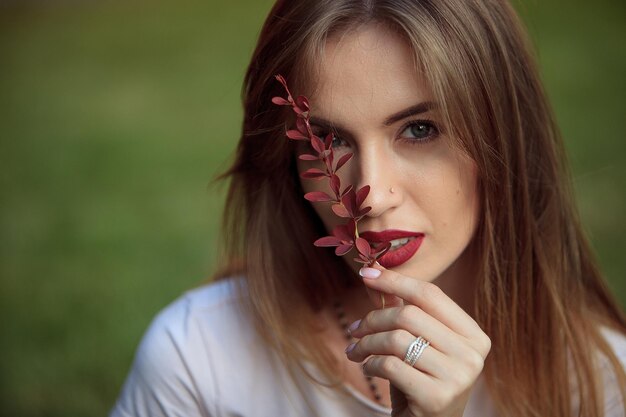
(453,200)
(466,206)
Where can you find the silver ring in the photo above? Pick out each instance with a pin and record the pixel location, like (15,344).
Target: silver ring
(415,350)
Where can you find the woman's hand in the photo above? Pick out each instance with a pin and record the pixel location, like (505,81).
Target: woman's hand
(441,379)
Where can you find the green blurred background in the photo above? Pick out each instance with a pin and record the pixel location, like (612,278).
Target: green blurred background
(115,117)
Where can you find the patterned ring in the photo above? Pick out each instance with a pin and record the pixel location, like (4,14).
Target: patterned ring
(415,350)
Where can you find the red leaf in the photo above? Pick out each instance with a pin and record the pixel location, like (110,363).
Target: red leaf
(349,201)
(364,211)
(317,144)
(281,79)
(343,249)
(301,126)
(341,162)
(296,135)
(363,246)
(318,196)
(299,111)
(327,241)
(303,103)
(340,210)
(280,101)
(347,190)
(361,195)
(330,156)
(345,232)
(328,141)
(308,157)
(335,184)
(361,260)
(313,173)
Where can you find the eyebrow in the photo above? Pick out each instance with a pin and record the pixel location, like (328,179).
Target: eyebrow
(396,117)
(410,111)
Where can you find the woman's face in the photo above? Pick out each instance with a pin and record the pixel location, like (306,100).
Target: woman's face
(370,95)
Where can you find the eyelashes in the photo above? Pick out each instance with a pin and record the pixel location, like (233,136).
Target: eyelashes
(338,142)
(414,132)
(419,132)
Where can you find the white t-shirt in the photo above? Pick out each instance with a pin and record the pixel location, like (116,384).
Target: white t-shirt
(202,357)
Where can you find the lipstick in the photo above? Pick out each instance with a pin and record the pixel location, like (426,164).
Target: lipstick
(400,255)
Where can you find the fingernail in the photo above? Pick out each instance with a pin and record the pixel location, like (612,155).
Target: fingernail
(370,273)
(354,326)
(350,347)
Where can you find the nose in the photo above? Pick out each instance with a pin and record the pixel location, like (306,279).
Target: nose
(375,167)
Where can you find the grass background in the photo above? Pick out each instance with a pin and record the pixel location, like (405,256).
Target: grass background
(116,115)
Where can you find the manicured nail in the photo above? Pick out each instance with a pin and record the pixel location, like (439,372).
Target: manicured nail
(350,347)
(354,326)
(370,273)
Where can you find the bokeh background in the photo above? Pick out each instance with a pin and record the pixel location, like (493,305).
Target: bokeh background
(114,118)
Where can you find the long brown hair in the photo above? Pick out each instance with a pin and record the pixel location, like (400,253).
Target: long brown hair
(540,298)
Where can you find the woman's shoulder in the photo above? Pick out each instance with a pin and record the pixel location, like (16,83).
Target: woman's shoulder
(183,350)
(200,313)
(613,394)
(617,342)
(220,297)
(201,320)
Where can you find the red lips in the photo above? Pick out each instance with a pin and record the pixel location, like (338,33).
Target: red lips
(395,257)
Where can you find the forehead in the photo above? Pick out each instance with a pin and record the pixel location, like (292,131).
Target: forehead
(370,66)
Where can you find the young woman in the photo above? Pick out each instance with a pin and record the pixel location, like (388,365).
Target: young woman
(493,304)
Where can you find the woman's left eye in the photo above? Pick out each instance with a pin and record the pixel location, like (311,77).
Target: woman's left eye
(420,131)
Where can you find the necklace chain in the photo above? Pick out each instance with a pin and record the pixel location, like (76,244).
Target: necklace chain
(343,323)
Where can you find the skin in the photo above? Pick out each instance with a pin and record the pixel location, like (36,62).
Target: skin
(366,76)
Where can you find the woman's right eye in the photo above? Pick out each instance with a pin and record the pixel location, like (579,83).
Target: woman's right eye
(338,142)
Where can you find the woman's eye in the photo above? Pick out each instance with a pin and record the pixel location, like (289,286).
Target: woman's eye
(422,131)
(338,142)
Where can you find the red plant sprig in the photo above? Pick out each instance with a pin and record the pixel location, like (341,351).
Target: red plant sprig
(347,202)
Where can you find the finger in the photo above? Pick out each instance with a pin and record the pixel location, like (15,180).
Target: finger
(416,322)
(381,300)
(396,343)
(428,297)
(414,384)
